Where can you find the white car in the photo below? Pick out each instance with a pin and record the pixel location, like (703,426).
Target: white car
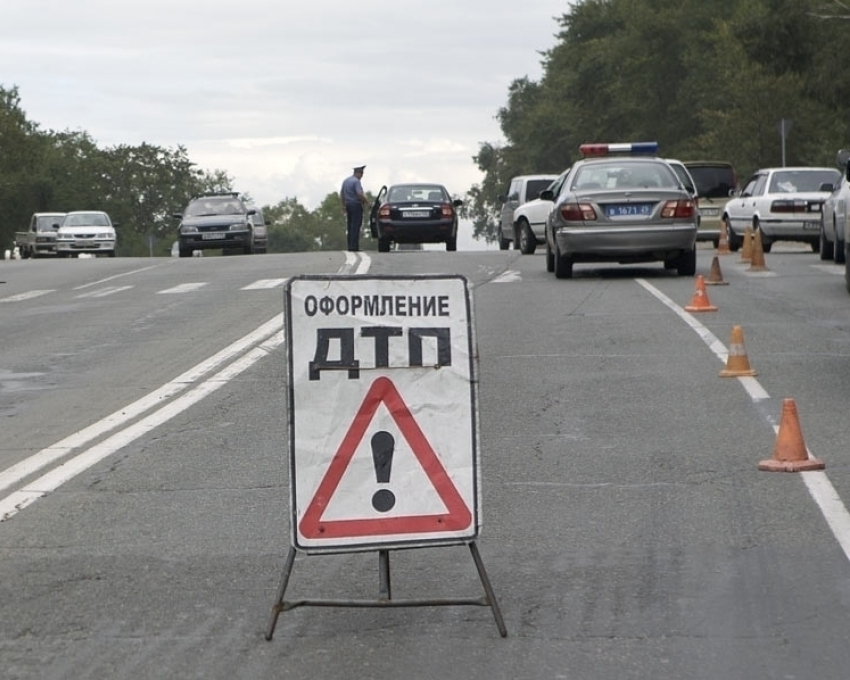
(784,204)
(86,231)
(833,228)
(530,218)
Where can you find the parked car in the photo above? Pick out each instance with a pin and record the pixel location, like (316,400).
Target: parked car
(40,238)
(414,213)
(86,231)
(261,238)
(716,182)
(784,204)
(530,219)
(621,203)
(522,189)
(216,221)
(833,224)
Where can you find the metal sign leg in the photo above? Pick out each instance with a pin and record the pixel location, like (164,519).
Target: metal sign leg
(281,591)
(488,589)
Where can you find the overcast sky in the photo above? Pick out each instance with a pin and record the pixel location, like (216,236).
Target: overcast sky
(287,95)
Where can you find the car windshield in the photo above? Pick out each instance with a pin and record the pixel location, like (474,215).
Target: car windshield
(86,220)
(417,192)
(619,174)
(46,222)
(205,207)
(713,181)
(793,181)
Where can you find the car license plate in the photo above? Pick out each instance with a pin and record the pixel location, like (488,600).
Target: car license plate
(212,235)
(709,212)
(810,224)
(628,209)
(416,213)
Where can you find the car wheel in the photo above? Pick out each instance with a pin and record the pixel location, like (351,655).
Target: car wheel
(451,244)
(687,264)
(550,258)
(383,245)
(563,265)
(825,248)
(527,240)
(504,243)
(732,238)
(766,245)
(185,252)
(814,245)
(839,250)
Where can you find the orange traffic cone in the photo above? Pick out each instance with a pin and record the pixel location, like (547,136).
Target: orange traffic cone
(757,259)
(723,240)
(737,363)
(715,276)
(700,301)
(747,248)
(790,453)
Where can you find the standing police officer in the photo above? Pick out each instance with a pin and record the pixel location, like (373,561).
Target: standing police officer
(353,200)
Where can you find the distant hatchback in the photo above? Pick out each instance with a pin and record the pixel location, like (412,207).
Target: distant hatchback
(414,213)
(621,203)
(783,204)
(84,231)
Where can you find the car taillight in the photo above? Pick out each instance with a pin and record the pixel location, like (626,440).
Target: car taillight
(446,210)
(678,209)
(577,212)
(788,205)
(384,212)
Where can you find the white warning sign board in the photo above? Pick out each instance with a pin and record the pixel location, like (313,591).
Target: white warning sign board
(383,412)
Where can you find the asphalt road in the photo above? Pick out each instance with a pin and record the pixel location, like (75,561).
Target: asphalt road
(627,531)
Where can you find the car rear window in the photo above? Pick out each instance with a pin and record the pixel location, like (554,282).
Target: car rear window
(535,186)
(792,181)
(713,181)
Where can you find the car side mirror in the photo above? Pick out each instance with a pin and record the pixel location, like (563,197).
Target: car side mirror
(116,224)
(501,198)
(547,195)
(252,211)
(826,186)
(177,216)
(55,226)
(457,203)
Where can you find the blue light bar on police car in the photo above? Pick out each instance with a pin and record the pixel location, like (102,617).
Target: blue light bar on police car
(629,149)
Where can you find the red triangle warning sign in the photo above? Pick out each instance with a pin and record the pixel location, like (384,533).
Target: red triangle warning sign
(456,518)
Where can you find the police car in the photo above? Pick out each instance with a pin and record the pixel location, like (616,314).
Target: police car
(621,203)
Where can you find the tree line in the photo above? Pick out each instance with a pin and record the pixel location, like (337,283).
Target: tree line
(707,79)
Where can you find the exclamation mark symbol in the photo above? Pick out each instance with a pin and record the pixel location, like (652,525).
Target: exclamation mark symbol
(383,445)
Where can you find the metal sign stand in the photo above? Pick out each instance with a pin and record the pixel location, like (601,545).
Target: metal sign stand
(385,593)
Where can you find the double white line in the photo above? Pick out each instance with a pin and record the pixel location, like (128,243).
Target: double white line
(250,349)
(246,351)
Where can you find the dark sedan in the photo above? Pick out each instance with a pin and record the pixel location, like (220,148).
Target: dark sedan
(414,213)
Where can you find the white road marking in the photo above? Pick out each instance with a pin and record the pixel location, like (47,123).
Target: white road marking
(103,292)
(18,500)
(183,288)
(28,466)
(264,284)
(509,276)
(117,276)
(817,482)
(26,296)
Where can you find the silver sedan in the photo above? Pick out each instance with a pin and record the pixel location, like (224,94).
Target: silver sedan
(628,208)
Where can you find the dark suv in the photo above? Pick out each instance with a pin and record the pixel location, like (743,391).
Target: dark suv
(716,181)
(216,221)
